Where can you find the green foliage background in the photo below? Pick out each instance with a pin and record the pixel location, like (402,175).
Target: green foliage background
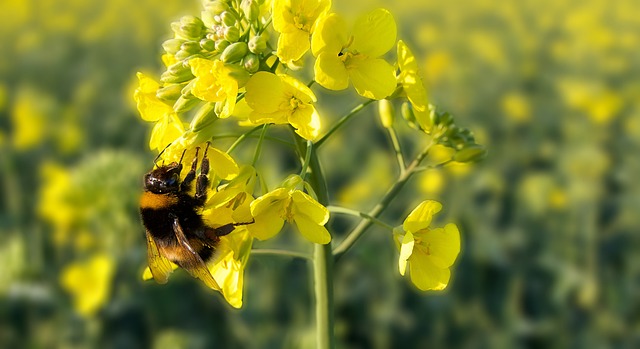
(549,220)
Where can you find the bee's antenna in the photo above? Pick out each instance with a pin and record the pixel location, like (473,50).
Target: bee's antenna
(155,161)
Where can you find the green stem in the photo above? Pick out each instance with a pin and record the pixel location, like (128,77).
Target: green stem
(284,253)
(344,210)
(342,120)
(396,146)
(364,224)
(307,158)
(240,139)
(322,258)
(256,155)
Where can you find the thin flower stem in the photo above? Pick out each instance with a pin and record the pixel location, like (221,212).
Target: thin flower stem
(342,120)
(431,167)
(256,155)
(307,158)
(364,224)
(396,146)
(284,253)
(240,139)
(344,210)
(311,83)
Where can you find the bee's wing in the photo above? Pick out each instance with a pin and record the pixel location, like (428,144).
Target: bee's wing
(191,260)
(159,265)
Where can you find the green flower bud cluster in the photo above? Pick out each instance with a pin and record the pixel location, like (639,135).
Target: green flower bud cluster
(447,133)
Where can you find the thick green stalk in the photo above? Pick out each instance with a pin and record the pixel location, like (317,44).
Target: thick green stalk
(322,256)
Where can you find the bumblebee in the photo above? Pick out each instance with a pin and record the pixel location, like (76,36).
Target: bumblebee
(174,226)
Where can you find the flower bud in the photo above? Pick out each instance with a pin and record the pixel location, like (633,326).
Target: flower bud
(208,18)
(185,104)
(251,63)
(176,73)
(216,7)
(228,19)
(258,44)
(172,45)
(239,73)
(407,113)
(190,47)
(386,112)
(234,52)
(186,90)
(221,45)
(208,44)
(191,27)
(204,117)
(232,34)
(170,92)
(251,9)
(470,153)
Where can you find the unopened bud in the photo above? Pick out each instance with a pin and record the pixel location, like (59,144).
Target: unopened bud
(177,73)
(191,27)
(221,45)
(251,63)
(407,113)
(186,90)
(216,7)
(204,117)
(251,9)
(234,52)
(172,45)
(185,104)
(170,92)
(386,112)
(228,19)
(470,153)
(190,47)
(232,34)
(257,44)
(238,73)
(208,44)
(208,18)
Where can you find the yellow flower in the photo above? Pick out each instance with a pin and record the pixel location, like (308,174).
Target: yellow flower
(428,252)
(281,99)
(220,163)
(213,83)
(168,126)
(413,86)
(89,283)
(295,21)
(272,209)
(344,57)
(228,268)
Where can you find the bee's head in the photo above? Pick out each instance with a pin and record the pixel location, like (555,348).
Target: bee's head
(164,179)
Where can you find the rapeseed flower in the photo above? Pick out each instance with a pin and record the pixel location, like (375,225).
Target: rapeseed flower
(214,83)
(429,252)
(344,56)
(89,283)
(281,99)
(411,82)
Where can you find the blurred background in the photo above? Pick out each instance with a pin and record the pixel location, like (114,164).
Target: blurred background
(549,220)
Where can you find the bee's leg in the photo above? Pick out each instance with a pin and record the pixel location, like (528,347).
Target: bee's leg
(186,184)
(203,180)
(223,230)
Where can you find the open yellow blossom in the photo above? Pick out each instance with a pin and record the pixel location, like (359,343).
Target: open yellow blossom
(168,126)
(295,21)
(343,56)
(281,99)
(213,83)
(228,268)
(89,283)
(413,86)
(428,252)
(272,209)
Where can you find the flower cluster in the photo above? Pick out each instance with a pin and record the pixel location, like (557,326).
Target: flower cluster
(237,61)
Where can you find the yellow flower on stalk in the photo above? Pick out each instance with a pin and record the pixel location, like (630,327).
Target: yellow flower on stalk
(413,86)
(228,268)
(428,252)
(344,56)
(168,126)
(281,99)
(214,83)
(295,20)
(272,209)
(89,283)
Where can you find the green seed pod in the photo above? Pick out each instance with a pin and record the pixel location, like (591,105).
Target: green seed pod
(386,112)
(232,34)
(172,45)
(208,44)
(190,47)
(221,45)
(470,153)
(407,113)
(177,73)
(228,19)
(185,104)
(251,63)
(234,52)
(204,117)
(257,44)
(170,92)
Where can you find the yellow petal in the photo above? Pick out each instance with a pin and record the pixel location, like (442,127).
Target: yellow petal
(268,211)
(303,203)
(201,66)
(265,92)
(443,245)
(421,216)
(306,121)
(374,34)
(293,45)
(330,35)
(406,249)
(426,275)
(282,15)
(330,72)
(168,129)
(311,230)
(222,164)
(373,78)
(413,85)
(299,90)
(149,106)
